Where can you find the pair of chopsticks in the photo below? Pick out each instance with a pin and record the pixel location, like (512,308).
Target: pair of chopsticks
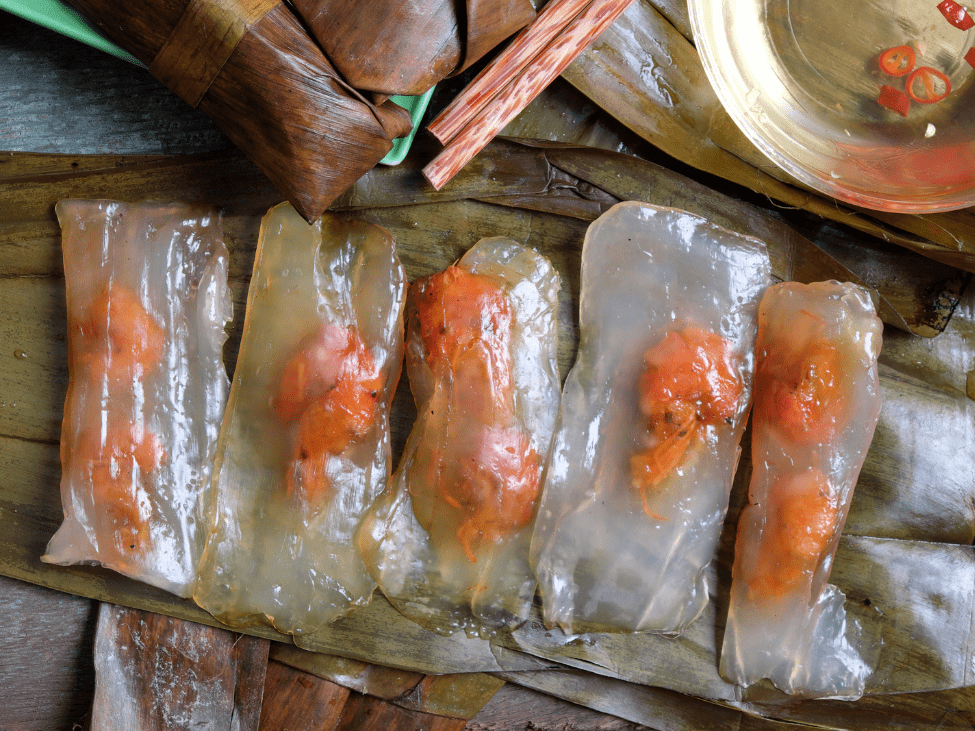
(537,55)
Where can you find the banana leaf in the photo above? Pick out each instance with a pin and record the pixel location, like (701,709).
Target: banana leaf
(406,48)
(908,548)
(646,73)
(456,695)
(583,183)
(265,84)
(666,710)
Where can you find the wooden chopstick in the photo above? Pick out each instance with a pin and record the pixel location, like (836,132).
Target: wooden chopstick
(526,46)
(539,72)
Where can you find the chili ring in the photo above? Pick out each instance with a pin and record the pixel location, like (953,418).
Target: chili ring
(927,76)
(897,61)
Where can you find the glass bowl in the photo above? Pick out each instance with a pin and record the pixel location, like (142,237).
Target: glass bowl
(870,102)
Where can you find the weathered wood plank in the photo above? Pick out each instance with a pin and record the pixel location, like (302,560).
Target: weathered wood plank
(47,674)
(157,673)
(294,699)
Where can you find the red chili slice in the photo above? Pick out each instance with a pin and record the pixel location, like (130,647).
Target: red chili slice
(894,99)
(897,61)
(956,14)
(928,93)
(970,57)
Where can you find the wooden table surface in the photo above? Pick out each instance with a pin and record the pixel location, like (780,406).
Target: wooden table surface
(59,96)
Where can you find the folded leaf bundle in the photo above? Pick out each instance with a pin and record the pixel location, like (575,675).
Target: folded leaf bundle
(407,46)
(252,68)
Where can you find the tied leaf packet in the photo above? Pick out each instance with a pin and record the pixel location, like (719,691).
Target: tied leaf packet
(407,47)
(448,541)
(305,444)
(148,302)
(253,69)
(652,413)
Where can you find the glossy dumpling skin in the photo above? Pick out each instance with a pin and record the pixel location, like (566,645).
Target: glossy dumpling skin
(448,543)
(817,402)
(305,444)
(652,414)
(148,303)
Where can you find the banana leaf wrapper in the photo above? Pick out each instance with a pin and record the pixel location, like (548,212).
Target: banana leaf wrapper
(398,47)
(645,72)
(909,538)
(266,86)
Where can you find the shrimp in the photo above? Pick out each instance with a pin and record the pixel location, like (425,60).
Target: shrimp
(816,371)
(456,308)
(124,343)
(802,521)
(109,458)
(463,321)
(689,382)
(802,398)
(331,388)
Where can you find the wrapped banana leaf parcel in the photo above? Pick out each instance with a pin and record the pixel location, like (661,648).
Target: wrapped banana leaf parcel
(252,68)
(421,41)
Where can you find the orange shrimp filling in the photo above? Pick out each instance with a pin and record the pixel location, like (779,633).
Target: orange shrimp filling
(331,386)
(110,460)
(802,397)
(456,308)
(689,382)
(463,321)
(120,345)
(498,487)
(802,519)
(123,341)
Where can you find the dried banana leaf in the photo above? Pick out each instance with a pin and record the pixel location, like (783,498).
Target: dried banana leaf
(407,47)
(362,677)
(909,548)
(914,600)
(211,678)
(455,695)
(664,709)
(915,293)
(561,113)
(273,92)
(646,73)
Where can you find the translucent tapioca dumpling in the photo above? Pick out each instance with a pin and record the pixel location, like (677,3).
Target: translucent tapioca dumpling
(305,445)
(652,414)
(817,403)
(148,303)
(448,543)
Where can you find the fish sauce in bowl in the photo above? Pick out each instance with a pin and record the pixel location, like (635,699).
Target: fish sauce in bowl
(869,103)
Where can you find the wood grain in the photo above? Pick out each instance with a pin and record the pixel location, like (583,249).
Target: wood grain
(295,699)
(47,672)
(157,673)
